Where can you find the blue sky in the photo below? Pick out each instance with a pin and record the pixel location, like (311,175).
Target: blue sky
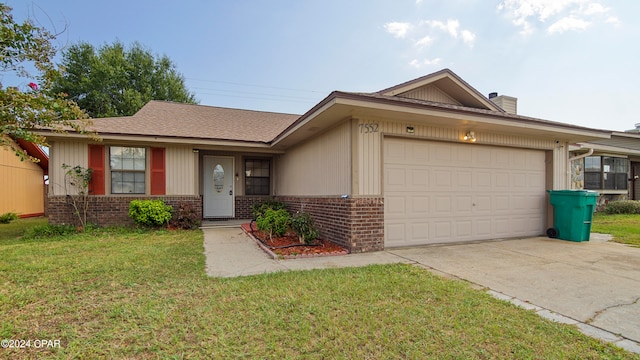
(573,61)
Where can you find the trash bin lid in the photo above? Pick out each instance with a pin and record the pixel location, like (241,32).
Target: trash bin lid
(573,192)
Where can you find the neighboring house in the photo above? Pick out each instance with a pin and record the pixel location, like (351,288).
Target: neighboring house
(428,161)
(22,182)
(609,166)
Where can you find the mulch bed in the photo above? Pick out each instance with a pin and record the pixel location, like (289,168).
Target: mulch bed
(280,247)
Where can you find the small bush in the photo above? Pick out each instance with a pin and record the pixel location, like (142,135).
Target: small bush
(303,225)
(274,222)
(186,217)
(623,207)
(258,209)
(7,218)
(47,231)
(152,213)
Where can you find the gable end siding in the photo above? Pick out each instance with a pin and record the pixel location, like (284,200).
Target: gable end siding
(430,93)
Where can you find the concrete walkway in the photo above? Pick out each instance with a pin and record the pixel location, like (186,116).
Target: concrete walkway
(594,285)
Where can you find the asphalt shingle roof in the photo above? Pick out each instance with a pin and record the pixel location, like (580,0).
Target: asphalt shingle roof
(168,119)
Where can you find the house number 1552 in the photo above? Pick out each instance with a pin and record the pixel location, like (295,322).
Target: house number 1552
(368,128)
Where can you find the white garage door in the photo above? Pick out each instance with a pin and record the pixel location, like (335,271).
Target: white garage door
(439,192)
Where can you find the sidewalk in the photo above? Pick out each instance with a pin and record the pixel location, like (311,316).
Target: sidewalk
(230,253)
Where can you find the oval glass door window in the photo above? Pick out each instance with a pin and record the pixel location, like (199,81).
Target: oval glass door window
(218,178)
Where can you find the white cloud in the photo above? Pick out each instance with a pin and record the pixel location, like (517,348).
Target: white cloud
(565,15)
(427,40)
(468,37)
(397,29)
(613,20)
(426,62)
(595,8)
(568,23)
(451,26)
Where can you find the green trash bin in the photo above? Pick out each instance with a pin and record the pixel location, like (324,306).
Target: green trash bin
(572,215)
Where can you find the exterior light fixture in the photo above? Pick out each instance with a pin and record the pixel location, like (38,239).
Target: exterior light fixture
(410,130)
(470,136)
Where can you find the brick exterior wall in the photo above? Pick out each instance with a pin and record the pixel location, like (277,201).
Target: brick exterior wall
(110,210)
(356,223)
(243,205)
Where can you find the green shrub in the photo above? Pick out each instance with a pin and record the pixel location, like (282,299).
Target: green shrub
(258,209)
(274,222)
(304,226)
(623,207)
(186,217)
(152,213)
(6,218)
(47,231)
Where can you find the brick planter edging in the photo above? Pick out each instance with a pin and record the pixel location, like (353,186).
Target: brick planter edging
(356,223)
(279,257)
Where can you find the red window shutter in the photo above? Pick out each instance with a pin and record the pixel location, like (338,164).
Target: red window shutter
(158,178)
(96,163)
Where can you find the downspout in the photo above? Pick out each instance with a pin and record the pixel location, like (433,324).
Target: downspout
(577,157)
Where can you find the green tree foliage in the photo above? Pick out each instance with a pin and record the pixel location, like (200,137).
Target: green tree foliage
(115,81)
(26,51)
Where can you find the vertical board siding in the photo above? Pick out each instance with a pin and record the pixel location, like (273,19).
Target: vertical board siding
(321,166)
(65,152)
(21,185)
(180,170)
(430,93)
(370,148)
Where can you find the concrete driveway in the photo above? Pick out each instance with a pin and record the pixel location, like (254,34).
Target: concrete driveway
(594,285)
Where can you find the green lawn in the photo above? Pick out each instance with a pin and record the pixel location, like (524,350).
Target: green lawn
(16,228)
(624,228)
(134,294)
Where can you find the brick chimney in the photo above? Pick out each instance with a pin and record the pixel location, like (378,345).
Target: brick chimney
(506,103)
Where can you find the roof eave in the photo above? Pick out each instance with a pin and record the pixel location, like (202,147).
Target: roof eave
(195,141)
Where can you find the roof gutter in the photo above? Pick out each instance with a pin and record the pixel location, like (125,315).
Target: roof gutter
(578,157)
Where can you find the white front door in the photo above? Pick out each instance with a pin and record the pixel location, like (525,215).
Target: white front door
(218,186)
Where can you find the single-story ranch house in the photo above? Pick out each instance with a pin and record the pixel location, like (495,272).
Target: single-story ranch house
(431,160)
(609,166)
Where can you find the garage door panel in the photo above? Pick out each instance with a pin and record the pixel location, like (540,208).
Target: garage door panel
(442,230)
(420,232)
(483,180)
(482,228)
(442,204)
(395,206)
(502,203)
(483,204)
(419,178)
(437,192)
(464,229)
(395,234)
(419,206)
(442,179)
(501,180)
(464,204)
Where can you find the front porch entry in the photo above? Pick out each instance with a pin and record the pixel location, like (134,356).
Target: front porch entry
(218,174)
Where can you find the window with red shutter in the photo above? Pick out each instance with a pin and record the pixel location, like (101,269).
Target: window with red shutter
(158,176)
(96,164)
